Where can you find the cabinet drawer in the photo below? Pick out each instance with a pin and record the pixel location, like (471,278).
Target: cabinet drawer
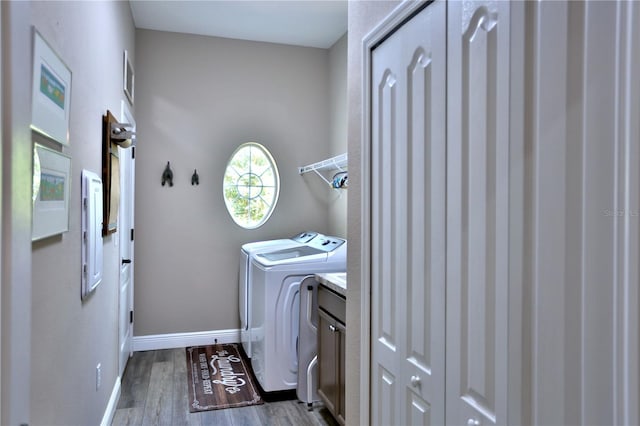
(332,303)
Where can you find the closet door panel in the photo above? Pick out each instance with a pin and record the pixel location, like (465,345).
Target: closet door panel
(418,410)
(477,298)
(408,222)
(387,335)
(426,140)
(385,390)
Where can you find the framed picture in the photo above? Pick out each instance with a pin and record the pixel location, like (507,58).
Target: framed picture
(51,185)
(129,78)
(110,177)
(51,92)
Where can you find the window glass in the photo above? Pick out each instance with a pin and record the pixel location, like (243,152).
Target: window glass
(251,185)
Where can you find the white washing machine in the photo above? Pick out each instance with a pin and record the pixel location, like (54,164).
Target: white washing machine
(275,306)
(244,277)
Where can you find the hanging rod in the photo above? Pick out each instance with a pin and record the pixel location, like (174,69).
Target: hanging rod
(338,162)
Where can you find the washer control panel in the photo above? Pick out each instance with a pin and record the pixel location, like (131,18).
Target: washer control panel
(326,244)
(304,237)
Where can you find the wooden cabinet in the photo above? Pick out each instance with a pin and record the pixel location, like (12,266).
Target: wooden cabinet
(331,351)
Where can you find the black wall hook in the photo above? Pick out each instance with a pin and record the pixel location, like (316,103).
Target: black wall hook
(195,179)
(167,175)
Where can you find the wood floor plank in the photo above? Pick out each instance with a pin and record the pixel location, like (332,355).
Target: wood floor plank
(278,413)
(135,381)
(128,416)
(181,414)
(319,416)
(158,409)
(154,392)
(216,417)
(245,416)
(324,417)
(164,355)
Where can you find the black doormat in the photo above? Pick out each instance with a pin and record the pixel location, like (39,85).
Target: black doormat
(219,377)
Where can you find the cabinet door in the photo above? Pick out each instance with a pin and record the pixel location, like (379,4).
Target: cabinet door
(327,371)
(477,211)
(408,222)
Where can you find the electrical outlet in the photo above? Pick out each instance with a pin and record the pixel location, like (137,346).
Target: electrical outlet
(98,376)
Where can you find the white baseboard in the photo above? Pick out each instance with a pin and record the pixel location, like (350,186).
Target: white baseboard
(110,411)
(182,340)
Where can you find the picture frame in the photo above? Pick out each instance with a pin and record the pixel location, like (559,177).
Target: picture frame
(128,78)
(51,192)
(110,177)
(50,92)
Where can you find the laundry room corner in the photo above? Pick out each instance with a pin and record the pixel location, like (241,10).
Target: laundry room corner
(216,95)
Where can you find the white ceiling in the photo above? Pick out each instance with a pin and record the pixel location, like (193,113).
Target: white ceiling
(312,23)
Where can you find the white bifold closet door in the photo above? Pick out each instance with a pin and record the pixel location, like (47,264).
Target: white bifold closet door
(477,212)
(408,222)
(439,217)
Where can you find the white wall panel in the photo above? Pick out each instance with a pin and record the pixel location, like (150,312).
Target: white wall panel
(599,209)
(574,217)
(545,137)
(627,298)
(580,195)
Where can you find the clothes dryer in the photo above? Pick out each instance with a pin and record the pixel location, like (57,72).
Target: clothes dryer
(244,277)
(275,306)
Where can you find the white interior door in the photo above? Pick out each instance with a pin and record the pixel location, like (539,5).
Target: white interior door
(408,222)
(477,212)
(126,242)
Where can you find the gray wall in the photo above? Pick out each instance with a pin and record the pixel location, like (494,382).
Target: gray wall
(338,126)
(70,337)
(363,17)
(16,213)
(197,99)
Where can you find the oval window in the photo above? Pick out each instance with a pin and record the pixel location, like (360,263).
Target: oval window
(251,185)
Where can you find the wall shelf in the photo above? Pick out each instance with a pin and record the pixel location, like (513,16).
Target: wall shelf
(334,164)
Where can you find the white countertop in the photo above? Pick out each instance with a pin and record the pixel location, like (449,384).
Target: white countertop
(336,281)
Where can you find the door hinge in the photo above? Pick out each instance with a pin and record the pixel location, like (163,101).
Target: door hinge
(130,317)
(133,152)
(131,234)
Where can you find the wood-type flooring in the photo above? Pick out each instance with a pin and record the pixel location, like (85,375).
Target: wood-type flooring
(154,392)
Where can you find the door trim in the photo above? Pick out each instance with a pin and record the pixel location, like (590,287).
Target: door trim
(124,237)
(383,30)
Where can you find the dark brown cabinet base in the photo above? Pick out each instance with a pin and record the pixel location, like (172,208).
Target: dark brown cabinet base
(331,351)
